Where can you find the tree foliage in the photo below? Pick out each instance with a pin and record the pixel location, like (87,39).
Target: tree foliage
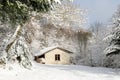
(67,16)
(114,36)
(18,11)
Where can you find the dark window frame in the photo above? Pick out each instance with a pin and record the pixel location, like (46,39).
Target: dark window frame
(57,57)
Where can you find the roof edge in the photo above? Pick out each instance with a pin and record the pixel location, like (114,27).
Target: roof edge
(54,49)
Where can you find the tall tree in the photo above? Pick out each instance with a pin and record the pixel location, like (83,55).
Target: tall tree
(67,16)
(19,13)
(97,45)
(114,37)
(113,50)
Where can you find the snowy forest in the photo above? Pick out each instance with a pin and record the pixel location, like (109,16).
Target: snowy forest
(28,26)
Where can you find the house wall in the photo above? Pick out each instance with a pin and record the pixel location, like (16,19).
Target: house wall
(64,57)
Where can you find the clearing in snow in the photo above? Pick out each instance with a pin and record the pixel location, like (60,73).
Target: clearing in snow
(59,72)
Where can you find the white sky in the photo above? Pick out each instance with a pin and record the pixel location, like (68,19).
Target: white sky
(99,10)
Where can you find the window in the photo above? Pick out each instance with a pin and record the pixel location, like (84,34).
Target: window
(57,57)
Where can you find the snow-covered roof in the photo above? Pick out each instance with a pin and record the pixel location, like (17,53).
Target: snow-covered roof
(50,49)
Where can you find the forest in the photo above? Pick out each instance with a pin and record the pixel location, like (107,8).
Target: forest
(28,26)
(98,45)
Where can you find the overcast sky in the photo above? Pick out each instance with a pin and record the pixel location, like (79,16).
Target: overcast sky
(99,10)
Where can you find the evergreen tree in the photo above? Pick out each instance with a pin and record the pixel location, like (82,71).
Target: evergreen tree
(113,49)
(114,37)
(19,13)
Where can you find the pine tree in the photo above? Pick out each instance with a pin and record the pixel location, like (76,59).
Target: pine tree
(114,37)
(19,13)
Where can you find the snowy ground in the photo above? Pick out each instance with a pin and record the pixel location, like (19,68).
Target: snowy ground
(60,72)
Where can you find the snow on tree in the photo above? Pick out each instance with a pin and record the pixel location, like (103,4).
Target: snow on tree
(67,16)
(19,13)
(114,44)
(63,27)
(113,50)
(64,21)
(97,44)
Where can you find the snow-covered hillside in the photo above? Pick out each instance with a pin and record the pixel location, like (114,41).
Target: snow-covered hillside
(59,72)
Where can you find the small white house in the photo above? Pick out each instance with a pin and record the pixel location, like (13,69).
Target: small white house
(54,55)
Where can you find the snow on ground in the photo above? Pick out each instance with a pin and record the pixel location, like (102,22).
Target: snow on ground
(59,72)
